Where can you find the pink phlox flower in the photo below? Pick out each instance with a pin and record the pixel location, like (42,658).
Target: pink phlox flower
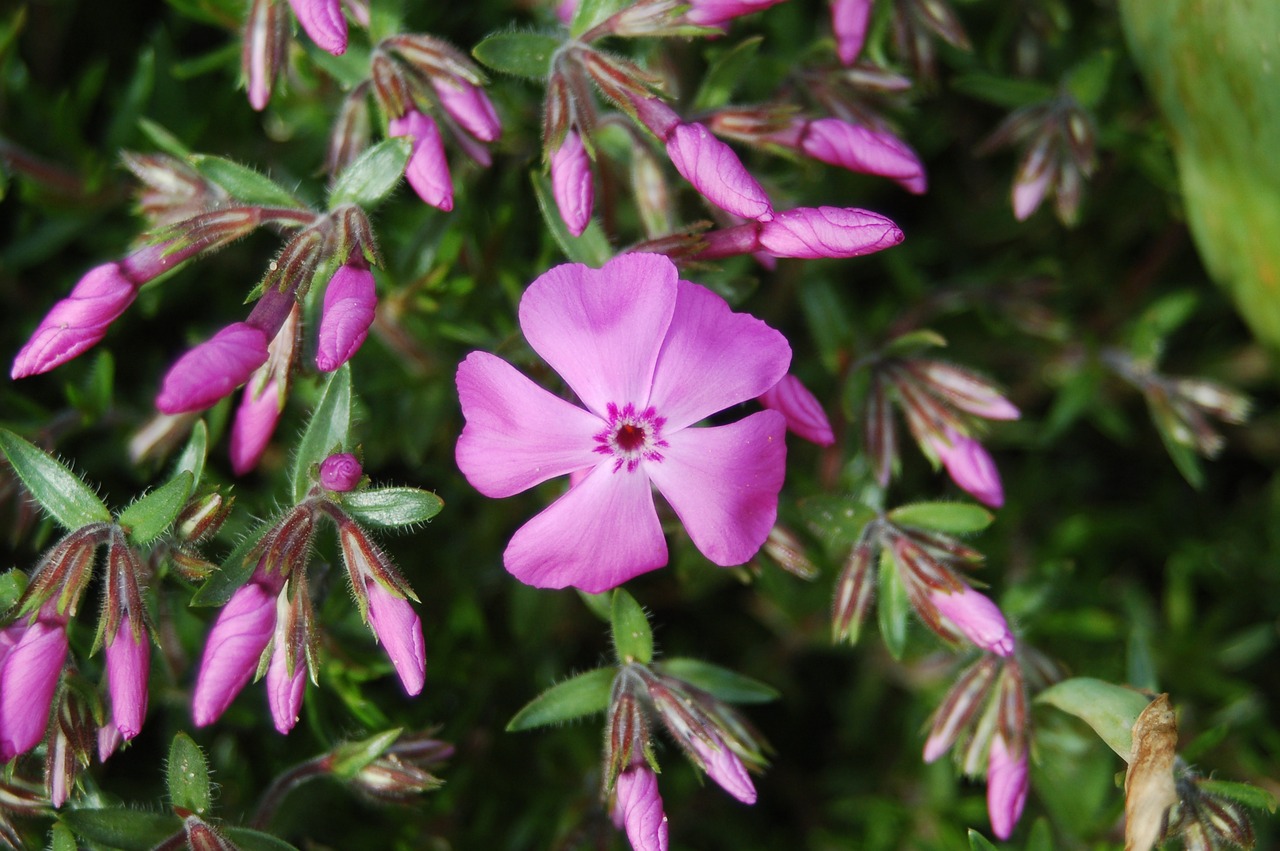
(970,466)
(714,13)
(128,666)
(428,170)
(213,369)
(849,19)
(725,768)
(77,322)
(31,660)
(716,172)
(977,618)
(395,623)
(469,106)
(864,150)
(804,413)
(1006,786)
(811,232)
(571,183)
(350,303)
(324,22)
(234,648)
(638,809)
(648,355)
(340,472)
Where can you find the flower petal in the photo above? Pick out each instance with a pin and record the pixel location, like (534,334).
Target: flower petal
(517,434)
(713,358)
(601,329)
(601,533)
(723,482)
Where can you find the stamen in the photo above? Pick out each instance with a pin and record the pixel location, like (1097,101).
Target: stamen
(631,436)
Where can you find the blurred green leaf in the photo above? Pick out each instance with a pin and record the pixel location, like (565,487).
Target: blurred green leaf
(1109,709)
(727,685)
(585,694)
(61,838)
(726,74)
(592,12)
(893,607)
(956,518)
(148,517)
(326,431)
(913,342)
(247,839)
(978,842)
(370,179)
(632,635)
(187,776)
(51,483)
(243,183)
(350,758)
(1088,81)
(126,830)
(193,454)
(1008,92)
(523,54)
(12,583)
(591,248)
(837,520)
(1150,330)
(1244,793)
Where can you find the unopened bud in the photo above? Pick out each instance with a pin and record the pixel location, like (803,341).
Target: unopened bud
(854,591)
(202,517)
(202,837)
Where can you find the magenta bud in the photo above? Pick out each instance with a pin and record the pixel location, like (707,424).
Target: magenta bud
(723,766)
(350,301)
(77,322)
(469,106)
(265,42)
(128,666)
(31,660)
(109,739)
(285,690)
(639,809)
(977,617)
(1032,180)
(428,171)
(804,413)
(1006,787)
(970,466)
(863,150)
(714,13)
(812,232)
(233,650)
(340,472)
(324,22)
(849,19)
(716,172)
(213,369)
(653,113)
(571,183)
(397,626)
(253,426)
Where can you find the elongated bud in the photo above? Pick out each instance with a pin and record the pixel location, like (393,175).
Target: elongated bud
(812,232)
(128,667)
(233,650)
(571,183)
(716,172)
(785,548)
(77,322)
(433,57)
(202,517)
(31,660)
(324,22)
(863,150)
(963,389)
(390,86)
(69,746)
(202,837)
(393,780)
(970,466)
(340,472)
(213,369)
(1031,183)
(652,195)
(977,618)
(350,301)
(804,413)
(849,19)
(264,397)
(287,670)
(63,572)
(723,766)
(171,190)
(427,171)
(638,809)
(397,626)
(350,133)
(878,432)
(468,105)
(715,13)
(854,592)
(960,706)
(262,54)
(1006,786)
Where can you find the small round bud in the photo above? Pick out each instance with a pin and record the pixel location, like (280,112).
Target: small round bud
(340,472)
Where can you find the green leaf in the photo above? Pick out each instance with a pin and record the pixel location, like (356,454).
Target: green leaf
(187,776)
(913,342)
(727,685)
(893,606)
(326,431)
(592,248)
(370,179)
(726,74)
(837,520)
(956,518)
(389,507)
(1157,322)
(632,635)
(1087,82)
(593,12)
(247,839)
(1041,838)
(1109,709)
(163,139)
(1244,793)
(1002,91)
(148,517)
(601,605)
(59,491)
(585,694)
(243,183)
(127,830)
(523,54)
(978,842)
(194,453)
(351,757)
(12,583)
(233,573)
(61,838)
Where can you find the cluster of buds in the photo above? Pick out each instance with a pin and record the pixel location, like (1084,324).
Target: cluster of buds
(712,735)
(266,38)
(926,563)
(985,717)
(267,626)
(419,83)
(916,24)
(18,798)
(943,405)
(1204,820)
(1058,142)
(34,651)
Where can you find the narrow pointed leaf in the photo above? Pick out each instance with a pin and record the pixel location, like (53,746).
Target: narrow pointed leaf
(233,573)
(523,54)
(727,685)
(326,432)
(726,74)
(350,758)
(187,775)
(956,518)
(148,517)
(390,507)
(978,842)
(632,635)
(1109,709)
(126,830)
(59,491)
(194,454)
(585,694)
(892,607)
(370,179)
(243,183)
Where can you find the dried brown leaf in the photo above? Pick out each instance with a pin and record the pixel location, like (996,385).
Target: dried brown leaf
(1148,784)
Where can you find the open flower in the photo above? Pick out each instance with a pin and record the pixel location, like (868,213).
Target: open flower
(648,355)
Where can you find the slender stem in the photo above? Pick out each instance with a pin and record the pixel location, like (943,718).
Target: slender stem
(283,785)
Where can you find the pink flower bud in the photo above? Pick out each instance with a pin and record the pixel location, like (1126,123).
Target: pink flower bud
(723,766)
(469,106)
(340,472)
(571,183)
(428,171)
(1006,787)
(970,466)
(804,413)
(285,690)
(713,13)
(350,301)
(128,665)
(213,369)
(1032,181)
(31,660)
(397,626)
(863,150)
(716,172)
(254,424)
(109,739)
(324,22)
(639,809)
(849,20)
(233,650)
(151,261)
(811,232)
(77,322)
(977,618)
(265,41)
(660,119)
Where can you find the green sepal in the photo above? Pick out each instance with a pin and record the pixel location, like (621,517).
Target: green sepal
(1111,710)
(893,607)
(391,507)
(593,12)
(914,341)
(194,453)
(584,694)
(234,572)
(122,829)
(632,635)
(727,685)
(523,54)
(350,758)
(51,483)
(978,842)
(243,183)
(372,177)
(149,515)
(326,431)
(591,248)
(1088,80)
(955,518)
(1242,793)
(187,776)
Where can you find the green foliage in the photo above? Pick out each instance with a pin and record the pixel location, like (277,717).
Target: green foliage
(326,431)
(578,696)
(187,775)
(51,483)
(632,635)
